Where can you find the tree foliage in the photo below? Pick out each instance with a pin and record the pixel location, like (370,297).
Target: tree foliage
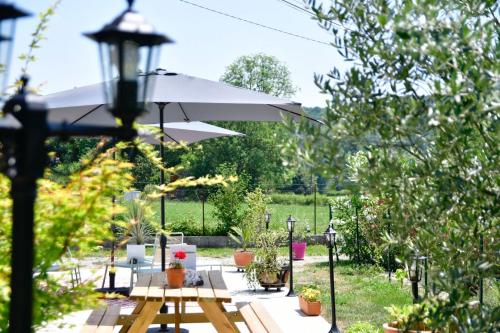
(421,99)
(66,216)
(262,73)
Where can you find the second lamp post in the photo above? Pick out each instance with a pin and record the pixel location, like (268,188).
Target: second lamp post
(290,223)
(267,217)
(330,239)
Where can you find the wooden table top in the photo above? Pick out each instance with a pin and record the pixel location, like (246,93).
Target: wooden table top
(152,287)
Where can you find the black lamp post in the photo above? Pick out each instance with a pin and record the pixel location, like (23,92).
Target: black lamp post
(290,223)
(24,130)
(330,211)
(330,239)
(415,275)
(267,217)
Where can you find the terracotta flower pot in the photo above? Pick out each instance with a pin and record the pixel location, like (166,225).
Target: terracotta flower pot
(310,308)
(175,277)
(392,328)
(243,258)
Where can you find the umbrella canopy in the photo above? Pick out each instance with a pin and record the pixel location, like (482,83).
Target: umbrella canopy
(180,98)
(190,132)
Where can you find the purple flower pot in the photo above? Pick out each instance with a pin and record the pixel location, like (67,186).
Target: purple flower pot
(299,250)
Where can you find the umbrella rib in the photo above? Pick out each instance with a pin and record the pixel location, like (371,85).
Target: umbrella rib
(295,113)
(166,134)
(186,118)
(86,114)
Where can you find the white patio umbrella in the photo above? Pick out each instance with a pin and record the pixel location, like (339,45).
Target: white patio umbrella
(177,97)
(190,132)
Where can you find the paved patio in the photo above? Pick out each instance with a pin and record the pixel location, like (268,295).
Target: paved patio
(285,310)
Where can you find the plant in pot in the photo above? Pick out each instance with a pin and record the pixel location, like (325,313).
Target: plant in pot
(135,230)
(407,319)
(299,243)
(309,301)
(242,237)
(267,269)
(175,271)
(251,223)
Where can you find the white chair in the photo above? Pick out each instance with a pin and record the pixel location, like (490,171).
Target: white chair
(135,267)
(68,263)
(173,238)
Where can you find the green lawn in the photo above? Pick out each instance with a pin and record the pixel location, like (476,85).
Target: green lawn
(361,293)
(190,213)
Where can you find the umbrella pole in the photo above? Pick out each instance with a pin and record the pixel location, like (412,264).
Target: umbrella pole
(163,238)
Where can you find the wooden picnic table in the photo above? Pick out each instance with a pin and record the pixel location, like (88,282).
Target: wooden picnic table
(151,292)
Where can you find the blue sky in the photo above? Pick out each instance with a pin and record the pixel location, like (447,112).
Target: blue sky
(205,42)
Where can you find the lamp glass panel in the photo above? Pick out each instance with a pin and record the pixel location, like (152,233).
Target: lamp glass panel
(413,271)
(130,61)
(148,61)
(7,32)
(330,235)
(110,71)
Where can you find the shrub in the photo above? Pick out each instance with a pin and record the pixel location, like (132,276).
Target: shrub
(299,199)
(227,200)
(135,226)
(359,223)
(253,219)
(190,227)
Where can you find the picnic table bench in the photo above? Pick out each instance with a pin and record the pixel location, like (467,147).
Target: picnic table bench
(151,293)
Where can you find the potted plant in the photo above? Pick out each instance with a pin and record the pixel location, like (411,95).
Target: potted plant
(175,271)
(267,269)
(137,230)
(309,301)
(403,319)
(299,243)
(242,237)
(252,221)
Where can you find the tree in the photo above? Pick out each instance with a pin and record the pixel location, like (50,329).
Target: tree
(257,153)
(262,73)
(421,99)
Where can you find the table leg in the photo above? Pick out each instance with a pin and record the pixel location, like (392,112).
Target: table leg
(183,307)
(137,310)
(216,316)
(146,317)
(221,307)
(177,318)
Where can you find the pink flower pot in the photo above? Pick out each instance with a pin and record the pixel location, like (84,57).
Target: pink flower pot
(299,250)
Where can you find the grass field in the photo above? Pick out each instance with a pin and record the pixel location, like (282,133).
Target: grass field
(191,213)
(361,293)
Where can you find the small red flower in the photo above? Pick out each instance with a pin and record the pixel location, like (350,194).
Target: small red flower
(180,255)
